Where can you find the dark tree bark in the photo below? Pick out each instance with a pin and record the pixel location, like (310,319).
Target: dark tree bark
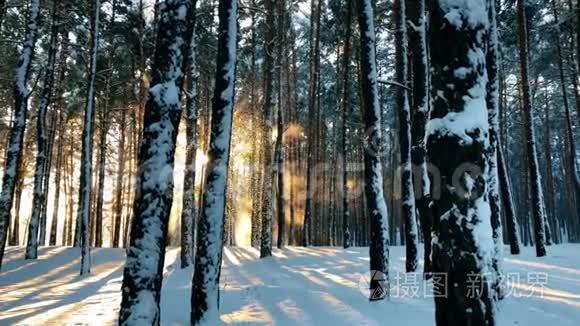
(118,207)
(269,164)
(550,192)
(530,141)
(457,141)
(512,226)
(143,273)
(313,92)
(420,66)
(345,107)
(404,109)
(279,147)
(206,276)
(41,141)
(189,211)
(492,102)
(57,180)
(84,203)
(15,143)
(373,179)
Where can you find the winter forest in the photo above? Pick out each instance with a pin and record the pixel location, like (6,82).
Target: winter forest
(289,162)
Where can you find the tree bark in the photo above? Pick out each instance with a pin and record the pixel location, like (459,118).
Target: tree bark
(373,179)
(205,284)
(346,235)
(420,66)
(512,226)
(21,94)
(458,144)
(189,211)
(406,170)
(143,273)
(313,92)
(530,141)
(269,164)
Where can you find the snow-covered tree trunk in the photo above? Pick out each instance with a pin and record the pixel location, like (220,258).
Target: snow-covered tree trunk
(41,142)
(418,46)
(86,173)
(205,285)
(458,145)
(15,143)
(143,273)
(537,196)
(404,109)
(512,227)
(268,163)
(492,102)
(373,174)
(189,211)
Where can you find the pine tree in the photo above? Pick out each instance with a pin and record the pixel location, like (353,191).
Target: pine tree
(492,102)
(143,273)
(189,212)
(420,115)
(404,109)
(313,93)
(346,236)
(458,145)
(373,179)
(537,197)
(512,225)
(41,135)
(267,111)
(205,284)
(15,143)
(84,206)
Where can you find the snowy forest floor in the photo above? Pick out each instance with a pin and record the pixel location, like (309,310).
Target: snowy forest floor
(298,286)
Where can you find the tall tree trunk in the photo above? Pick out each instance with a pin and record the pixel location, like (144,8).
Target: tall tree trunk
(154,189)
(15,236)
(86,174)
(205,284)
(279,147)
(458,146)
(313,92)
(373,179)
(492,102)
(402,99)
(532,157)
(21,94)
(550,192)
(418,47)
(189,211)
(2,12)
(345,101)
(41,142)
(57,179)
(269,164)
(512,226)
(118,208)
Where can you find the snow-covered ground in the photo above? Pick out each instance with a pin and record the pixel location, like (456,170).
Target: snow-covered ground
(299,286)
